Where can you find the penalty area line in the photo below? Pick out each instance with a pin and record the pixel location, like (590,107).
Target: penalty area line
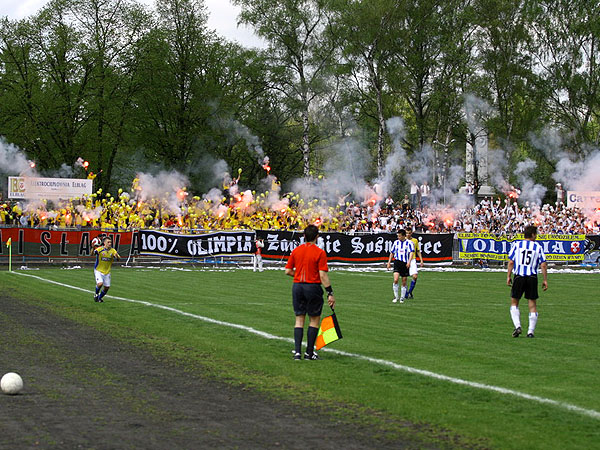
(382,362)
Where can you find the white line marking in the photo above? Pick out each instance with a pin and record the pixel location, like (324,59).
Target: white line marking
(568,406)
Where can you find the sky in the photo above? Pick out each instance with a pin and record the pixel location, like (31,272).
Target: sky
(222,18)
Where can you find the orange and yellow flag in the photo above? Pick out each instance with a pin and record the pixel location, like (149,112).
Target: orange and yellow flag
(8,242)
(329,331)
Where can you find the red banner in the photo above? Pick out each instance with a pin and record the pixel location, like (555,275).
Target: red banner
(36,243)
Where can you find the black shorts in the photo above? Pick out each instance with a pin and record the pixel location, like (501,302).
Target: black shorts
(400,267)
(307,298)
(525,285)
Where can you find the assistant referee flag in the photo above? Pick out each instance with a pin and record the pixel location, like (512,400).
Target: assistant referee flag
(329,331)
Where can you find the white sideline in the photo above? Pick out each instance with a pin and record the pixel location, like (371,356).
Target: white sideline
(570,407)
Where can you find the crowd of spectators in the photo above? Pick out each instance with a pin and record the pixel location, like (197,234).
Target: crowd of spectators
(489,215)
(125,212)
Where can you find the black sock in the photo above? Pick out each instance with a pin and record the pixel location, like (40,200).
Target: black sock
(311,337)
(298,333)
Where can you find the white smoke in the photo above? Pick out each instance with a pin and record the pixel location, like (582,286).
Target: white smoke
(344,175)
(576,172)
(551,142)
(397,158)
(498,169)
(13,161)
(420,168)
(242,131)
(272,199)
(163,187)
(477,111)
(213,196)
(579,174)
(530,191)
(89,214)
(448,193)
(64,171)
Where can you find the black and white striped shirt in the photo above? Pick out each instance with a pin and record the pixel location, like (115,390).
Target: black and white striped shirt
(402,250)
(527,256)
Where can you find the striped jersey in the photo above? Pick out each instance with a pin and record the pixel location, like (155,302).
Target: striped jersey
(402,250)
(527,256)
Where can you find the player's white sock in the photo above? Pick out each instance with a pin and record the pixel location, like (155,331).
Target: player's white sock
(532,322)
(395,290)
(515,316)
(403,291)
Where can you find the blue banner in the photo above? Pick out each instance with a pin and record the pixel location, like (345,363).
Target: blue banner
(557,247)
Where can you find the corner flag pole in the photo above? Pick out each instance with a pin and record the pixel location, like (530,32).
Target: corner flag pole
(8,244)
(130,247)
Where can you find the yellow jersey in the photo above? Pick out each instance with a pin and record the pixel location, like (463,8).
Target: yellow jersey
(417,245)
(104,259)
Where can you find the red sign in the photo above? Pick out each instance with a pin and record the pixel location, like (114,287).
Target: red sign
(36,243)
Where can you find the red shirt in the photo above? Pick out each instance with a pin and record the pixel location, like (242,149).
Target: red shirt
(307,259)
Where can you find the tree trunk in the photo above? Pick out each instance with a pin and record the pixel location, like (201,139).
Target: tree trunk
(380,117)
(306,142)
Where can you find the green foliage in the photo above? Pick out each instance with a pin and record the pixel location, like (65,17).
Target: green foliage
(300,52)
(131,88)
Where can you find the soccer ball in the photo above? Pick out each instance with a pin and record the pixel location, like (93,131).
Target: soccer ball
(96,242)
(575,247)
(11,383)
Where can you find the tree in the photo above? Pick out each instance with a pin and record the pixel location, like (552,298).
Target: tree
(111,30)
(47,76)
(568,37)
(431,51)
(299,52)
(70,73)
(21,88)
(506,59)
(175,66)
(366,30)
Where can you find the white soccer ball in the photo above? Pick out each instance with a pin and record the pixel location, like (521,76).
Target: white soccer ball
(11,383)
(96,242)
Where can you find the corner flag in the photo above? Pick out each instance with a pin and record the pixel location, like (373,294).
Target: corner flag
(329,331)
(9,246)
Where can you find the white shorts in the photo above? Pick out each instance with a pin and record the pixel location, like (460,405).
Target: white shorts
(102,278)
(412,270)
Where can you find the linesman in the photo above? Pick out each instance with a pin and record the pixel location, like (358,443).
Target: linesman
(308,265)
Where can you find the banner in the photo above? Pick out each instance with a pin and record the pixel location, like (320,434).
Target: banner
(592,251)
(36,243)
(593,243)
(583,199)
(33,188)
(367,248)
(557,247)
(61,244)
(223,243)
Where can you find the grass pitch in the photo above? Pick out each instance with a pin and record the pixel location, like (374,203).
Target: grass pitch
(457,326)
